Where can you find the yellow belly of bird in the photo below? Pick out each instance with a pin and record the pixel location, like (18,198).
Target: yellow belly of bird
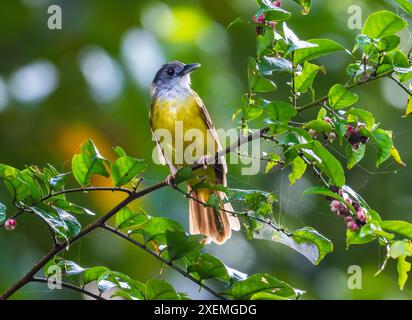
(189,132)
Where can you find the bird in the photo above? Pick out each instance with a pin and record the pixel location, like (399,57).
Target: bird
(175,104)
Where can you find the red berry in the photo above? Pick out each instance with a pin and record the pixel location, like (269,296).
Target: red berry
(334,206)
(353,226)
(10,225)
(349,219)
(350,130)
(361,215)
(261,18)
(277,3)
(328,120)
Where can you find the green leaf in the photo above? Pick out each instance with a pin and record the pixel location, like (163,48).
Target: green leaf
(405,5)
(400,248)
(265,41)
(319,125)
(305,4)
(89,162)
(298,169)
(266,296)
(364,115)
(125,219)
(304,81)
(71,207)
(321,47)
(93,274)
(389,42)
(258,83)
(209,267)
(383,140)
(180,245)
(272,12)
(2,212)
(62,223)
(293,41)
(279,113)
(67,267)
(156,228)
(184,174)
(261,282)
(397,157)
(340,97)
(268,65)
(160,290)
(310,235)
(324,160)
(58,182)
(19,183)
(403,268)
(274,160)
(398,226)
(353,156)
(408,111)
(383,23)
(125,169)
(130,288)
(362,236)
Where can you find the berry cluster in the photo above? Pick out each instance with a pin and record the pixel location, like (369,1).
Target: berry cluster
(330,136)
(354,137)
(261,21)
(353,222)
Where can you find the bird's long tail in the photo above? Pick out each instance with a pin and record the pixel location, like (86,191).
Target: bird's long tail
(215,224)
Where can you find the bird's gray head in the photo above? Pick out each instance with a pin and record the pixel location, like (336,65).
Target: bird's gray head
(173,75)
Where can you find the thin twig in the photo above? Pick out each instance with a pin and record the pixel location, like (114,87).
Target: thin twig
(69,286)
(409,92)
(325,98)
(165,261)
(74,190)
(238,213)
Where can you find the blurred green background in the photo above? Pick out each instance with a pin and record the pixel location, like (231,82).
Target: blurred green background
(92,78)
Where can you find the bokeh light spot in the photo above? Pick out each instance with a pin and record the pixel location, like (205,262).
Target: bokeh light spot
(34,82)
(102,73)
(142,55)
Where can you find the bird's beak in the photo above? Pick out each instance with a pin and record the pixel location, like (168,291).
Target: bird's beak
(188,68)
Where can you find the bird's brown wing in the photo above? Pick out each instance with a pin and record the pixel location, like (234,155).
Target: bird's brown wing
(221,167)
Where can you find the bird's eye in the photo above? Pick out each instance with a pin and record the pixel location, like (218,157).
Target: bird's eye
(171,72)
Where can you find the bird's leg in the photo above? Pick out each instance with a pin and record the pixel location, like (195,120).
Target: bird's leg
(170,180)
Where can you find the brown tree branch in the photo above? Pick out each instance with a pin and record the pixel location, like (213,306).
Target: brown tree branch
(69,286)
(132,196)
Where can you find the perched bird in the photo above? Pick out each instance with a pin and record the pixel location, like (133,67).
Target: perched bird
(175,105)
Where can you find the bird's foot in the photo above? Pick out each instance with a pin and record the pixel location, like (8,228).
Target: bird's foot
(170,181)
(203,161)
